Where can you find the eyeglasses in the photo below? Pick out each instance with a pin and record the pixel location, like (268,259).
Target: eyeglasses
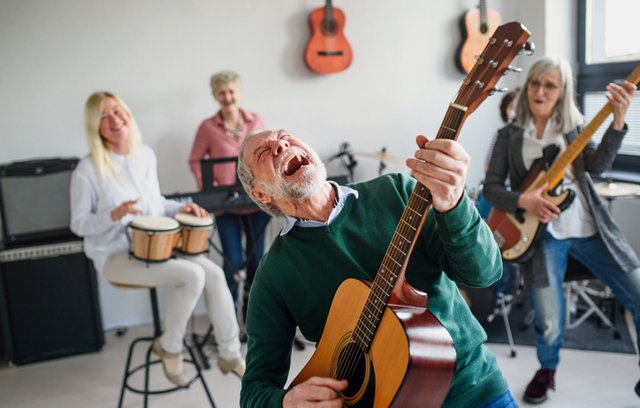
(548,87)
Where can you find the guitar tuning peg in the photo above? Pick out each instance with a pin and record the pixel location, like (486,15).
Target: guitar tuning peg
(514,69)
(529,47)
(500,90)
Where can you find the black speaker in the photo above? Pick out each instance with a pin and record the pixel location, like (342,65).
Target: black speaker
(34,200)
(49,303)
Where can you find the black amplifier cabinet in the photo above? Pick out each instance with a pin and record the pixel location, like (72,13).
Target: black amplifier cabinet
(49,303)
(34,200)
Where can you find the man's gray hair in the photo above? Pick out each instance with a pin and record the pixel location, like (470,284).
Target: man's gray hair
(248,180)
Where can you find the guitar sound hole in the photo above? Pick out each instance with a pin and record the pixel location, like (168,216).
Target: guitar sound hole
(329,27)
(352,366)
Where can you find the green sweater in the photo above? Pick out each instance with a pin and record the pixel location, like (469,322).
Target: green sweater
(298,277)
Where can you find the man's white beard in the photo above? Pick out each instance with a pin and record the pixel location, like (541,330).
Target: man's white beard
(313,180)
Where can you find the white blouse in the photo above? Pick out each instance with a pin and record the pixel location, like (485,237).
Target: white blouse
(93,197)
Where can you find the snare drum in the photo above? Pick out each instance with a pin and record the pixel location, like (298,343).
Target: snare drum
(154,238)
(194,238)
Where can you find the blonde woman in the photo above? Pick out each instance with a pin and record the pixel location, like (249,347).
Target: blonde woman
(115,183)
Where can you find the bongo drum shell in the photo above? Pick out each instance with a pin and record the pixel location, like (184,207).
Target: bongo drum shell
(154,237)
(194,237)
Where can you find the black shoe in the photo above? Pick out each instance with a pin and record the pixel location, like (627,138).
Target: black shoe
(243,337)
(536,391)
(638,388)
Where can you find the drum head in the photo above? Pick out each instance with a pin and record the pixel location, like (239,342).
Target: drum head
(194,221)
(155,223)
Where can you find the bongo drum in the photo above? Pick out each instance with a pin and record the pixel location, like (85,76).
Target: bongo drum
(194,238)
(153,238)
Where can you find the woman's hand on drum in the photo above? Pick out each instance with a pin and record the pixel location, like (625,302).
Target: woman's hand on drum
(125,208)
(195,209)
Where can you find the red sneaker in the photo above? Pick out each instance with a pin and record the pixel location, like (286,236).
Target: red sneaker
(536,391)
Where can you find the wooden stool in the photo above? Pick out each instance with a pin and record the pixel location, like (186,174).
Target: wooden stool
(157,331)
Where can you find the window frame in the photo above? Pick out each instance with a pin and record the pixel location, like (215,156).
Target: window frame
(594,78)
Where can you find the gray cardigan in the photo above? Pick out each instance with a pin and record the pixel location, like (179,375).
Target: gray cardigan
(507,163)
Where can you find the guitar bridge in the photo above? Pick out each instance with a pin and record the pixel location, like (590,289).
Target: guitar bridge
(330,53)
(499,238)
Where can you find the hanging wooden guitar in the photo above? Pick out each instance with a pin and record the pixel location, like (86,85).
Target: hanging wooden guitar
(516,233)
(328,51)
(381,337)
(476,25)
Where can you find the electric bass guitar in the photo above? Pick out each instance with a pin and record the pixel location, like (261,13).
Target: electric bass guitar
(380,336)
(328,51)
(516,233)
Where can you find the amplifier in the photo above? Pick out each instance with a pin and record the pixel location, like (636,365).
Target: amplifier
(34,200)
(49,303)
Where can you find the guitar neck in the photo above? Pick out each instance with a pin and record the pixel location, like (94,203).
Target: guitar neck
(328,11)
(555,173)
(404,238)
(483,14)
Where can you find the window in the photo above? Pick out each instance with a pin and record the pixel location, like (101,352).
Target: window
(607,51)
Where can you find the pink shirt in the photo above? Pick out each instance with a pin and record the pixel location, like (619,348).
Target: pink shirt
(213,141)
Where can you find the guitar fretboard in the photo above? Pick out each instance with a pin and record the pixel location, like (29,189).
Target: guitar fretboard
(406,234)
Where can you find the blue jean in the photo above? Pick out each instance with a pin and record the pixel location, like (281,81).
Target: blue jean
(504,400)
(548,302)
(230,229)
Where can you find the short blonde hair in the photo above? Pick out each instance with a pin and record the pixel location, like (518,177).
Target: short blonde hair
(222,78)
(92,118)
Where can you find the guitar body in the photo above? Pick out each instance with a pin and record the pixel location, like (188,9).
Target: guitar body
(328,51)
(516,233)
(410,362)
(475,36)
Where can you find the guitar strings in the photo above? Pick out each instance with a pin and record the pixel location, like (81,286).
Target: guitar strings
(348,363)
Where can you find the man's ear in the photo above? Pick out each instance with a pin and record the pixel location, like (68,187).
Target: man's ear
(260,195)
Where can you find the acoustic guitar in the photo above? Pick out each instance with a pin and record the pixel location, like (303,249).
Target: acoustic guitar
(476,26)
(380,336)
(328,51)
(516,233)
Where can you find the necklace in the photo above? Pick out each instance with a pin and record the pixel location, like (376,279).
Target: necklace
(233,130)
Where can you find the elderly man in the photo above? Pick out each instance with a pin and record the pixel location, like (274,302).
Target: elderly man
(333,233)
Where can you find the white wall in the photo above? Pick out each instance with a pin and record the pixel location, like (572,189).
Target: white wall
(158,55)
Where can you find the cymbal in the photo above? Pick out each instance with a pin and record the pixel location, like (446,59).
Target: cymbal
(382,155)
(617,189)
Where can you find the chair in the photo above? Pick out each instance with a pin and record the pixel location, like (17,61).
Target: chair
(582,288)
(129,371)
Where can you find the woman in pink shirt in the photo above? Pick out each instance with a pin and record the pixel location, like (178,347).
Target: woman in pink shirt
(220,136)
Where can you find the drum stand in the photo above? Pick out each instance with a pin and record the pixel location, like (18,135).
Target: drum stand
(200,341)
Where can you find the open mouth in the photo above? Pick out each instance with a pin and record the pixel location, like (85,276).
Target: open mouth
(294,163)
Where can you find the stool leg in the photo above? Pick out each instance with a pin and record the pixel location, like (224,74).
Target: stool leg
(146,376)
(126,375)
(199,375)
(157,330)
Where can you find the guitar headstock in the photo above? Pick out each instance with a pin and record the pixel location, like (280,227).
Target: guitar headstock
(505,43)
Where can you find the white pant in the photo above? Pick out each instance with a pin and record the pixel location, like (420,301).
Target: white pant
(187,277)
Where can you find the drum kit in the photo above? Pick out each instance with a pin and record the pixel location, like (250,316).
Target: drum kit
(157,238)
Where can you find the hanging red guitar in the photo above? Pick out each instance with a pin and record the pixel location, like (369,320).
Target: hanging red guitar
(327,50)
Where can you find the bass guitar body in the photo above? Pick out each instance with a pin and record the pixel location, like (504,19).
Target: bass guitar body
(517,233)
(410,362)
(328,51)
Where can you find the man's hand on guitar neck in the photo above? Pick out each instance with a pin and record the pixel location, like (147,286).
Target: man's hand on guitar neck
(315,392)
(534,202)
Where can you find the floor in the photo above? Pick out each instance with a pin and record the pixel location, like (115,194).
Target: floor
(585,379)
